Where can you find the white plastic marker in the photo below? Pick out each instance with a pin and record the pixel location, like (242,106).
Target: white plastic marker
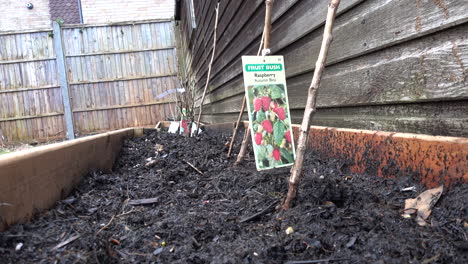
(267,103)
(174,127)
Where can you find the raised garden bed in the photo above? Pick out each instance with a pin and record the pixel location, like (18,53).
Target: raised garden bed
(228,215)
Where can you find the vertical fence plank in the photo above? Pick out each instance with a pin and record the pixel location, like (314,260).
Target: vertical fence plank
(63,79)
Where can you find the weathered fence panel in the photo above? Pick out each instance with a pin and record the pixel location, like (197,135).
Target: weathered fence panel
(31,105)
(117,75)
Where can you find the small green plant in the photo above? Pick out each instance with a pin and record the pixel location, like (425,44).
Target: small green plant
(60,21)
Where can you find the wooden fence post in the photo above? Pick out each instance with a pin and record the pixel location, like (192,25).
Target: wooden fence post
(62,75)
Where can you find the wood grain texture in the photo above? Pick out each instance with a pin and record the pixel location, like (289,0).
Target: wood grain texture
(244,15)
(375,25)
(299,19)
(435,118)
(207,28)
(227,10)
(426,69)
(366,27)
(63,80)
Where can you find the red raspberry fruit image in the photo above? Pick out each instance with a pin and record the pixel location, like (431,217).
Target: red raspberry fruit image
(184,124)
(266,124)
(258,138)
(287,135)
(276,154)
(257,104)
(280,112)
(266,103)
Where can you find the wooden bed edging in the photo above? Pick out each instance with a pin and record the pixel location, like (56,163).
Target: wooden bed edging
(433,160)
(33,180)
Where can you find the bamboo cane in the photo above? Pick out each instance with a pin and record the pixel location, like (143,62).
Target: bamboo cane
(310,109)
(245,144)
(244,101)
(209,69)
(266,45)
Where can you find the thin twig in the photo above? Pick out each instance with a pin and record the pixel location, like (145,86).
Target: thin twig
(143,201)
(244,101)
(209,70)
(245,144)
(236,128)
(104,227)
(126,213)
(195,168)
(310,108)
(264,211)
(266,45)
(66,242)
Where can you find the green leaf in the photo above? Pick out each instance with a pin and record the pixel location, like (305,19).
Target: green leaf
(250,99)
(261,152)
(278,132)
(276,92)
(269,149)
(287,155)
(260,116)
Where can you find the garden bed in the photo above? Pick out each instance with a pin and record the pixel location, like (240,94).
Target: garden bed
(210,218)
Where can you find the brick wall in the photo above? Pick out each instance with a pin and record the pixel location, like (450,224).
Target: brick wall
(103,11)
(14,15)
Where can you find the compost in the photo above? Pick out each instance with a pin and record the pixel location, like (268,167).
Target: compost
(155,207)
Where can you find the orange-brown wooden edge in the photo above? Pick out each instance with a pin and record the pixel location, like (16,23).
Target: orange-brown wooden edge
(433,160)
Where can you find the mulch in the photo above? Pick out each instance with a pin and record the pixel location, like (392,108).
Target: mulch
(154,207)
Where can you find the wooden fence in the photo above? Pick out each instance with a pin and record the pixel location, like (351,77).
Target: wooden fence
(85,79)
(394,65)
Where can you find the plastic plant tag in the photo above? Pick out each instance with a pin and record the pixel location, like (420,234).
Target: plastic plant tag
(267,102)
(174,127)
(184,126)
(194,128)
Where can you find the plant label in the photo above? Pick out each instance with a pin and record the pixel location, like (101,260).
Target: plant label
(173,127)
(267,103)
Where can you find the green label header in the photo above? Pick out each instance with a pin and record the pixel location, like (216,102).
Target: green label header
(263,67)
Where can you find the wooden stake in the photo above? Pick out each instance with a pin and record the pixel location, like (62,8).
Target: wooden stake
(244,101)
(267,29)
(245,144)
(236,128)
(266,45)
(209,69)
(310,107)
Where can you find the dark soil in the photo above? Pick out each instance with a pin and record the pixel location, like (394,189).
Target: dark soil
(342,217)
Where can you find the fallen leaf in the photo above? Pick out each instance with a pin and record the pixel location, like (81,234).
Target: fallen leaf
(422,205)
